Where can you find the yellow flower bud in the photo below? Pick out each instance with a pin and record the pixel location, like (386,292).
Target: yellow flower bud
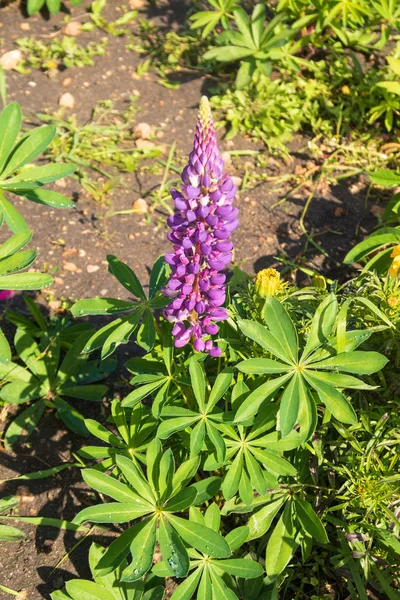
(392,301)
(346,90)
(395,251)
(319,282)
(395,266)
(267,282)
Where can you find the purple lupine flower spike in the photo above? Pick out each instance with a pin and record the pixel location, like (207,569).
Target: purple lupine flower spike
(201,226)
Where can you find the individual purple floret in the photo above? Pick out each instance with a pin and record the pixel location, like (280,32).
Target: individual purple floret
(201,226)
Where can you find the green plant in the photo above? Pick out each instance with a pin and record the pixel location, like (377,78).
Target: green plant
(121,329)
(65,51)
(383,245)
(53,6)
(209,19)
(110,587)
(7,532)
(45,379)
(98,20)
(390,106)
(254,45)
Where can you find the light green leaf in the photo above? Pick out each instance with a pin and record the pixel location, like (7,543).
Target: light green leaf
(262,365)
(125,276)
(260,521)
(188,587)
(200,537)
(220,387)
(28,148)
(281,545)
(260,334)
(10,124)
(82,589)
(105,484)
(142,550)
(173,550)
(309,521)
(198,382)
(359,362)
(334,401)
(254,401)
(281,326)
(241,567)
(289,406)
(321,325)
(112,512)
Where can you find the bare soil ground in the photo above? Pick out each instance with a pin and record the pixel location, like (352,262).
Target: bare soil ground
(337,217)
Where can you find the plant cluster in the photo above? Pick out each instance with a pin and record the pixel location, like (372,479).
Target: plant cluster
(265,469)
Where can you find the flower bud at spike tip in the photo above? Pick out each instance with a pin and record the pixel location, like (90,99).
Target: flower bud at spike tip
(267,283)
(201,225)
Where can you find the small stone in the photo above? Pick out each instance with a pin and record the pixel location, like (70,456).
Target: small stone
(338,211)
(73,28)
(61,183)
(55,305)
(82,253)
(70,266)
(237,181)
(144,144)
(140,206)
(92,268)
(25,26)
(67,81)
(137,4)
(32,83)
(67,100)
(58,280)
(226,157)
(103,292)
(143,130)
(69,252)
(11,59)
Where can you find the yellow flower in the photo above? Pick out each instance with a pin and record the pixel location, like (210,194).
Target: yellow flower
(267,283)
(395,266)
(395,251)
(392,301)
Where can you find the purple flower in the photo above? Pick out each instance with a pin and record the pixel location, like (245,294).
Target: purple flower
(6,294)
(201,225)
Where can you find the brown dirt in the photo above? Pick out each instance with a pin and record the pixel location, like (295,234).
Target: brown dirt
(334,218)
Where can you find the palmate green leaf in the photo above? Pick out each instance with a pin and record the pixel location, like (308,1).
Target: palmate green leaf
(237,537)
(112,512)
(105,484)
(241,567)
(202,538)
(141,392)
(257,397)
(25,281)
(260,334)
(23,424)
(262,365)
(33,6)
(181,501)
(340,380)
(142,550)
(15,243)
(309,521)
(184,473)
(196,437)
(334,401)
(188,587)
(121,334)
(198,382)
(47,197)
(205,588)
(220,387)
(119,549)
(257,479)
(322,324)
(167,428)
(220,589)
(281,545)
(73,419)
(14,220)
(206,489)
(135,478)
(272,462)
(232,477)
(44,174)
(125,276)
(5,350)
(28,148)
(10,124)
(307,417)
(173,550)
(281,326)
(19,392)
(146,334)
(228,53)
(167,467)
(100,306)
(83,589)
(260,521)
(289,405)
(359,362)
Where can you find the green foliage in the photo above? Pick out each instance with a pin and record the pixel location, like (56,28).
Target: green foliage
(110,587)
(377,249)
(7,532)
(53,6)
(64,51)
(138,320)
(46,377)
(97,20)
